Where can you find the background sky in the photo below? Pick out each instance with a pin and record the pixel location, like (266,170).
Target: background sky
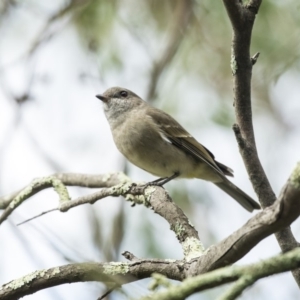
(56,56)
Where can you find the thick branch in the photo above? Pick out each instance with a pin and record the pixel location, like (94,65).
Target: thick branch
(155,198)
(108,273)
(243,276)
(282,213)
(242,18)
(279,215)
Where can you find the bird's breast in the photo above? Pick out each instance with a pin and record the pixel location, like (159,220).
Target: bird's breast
(141,142)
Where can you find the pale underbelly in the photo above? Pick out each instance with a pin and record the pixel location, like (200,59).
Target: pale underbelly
(162,158)
(167,159)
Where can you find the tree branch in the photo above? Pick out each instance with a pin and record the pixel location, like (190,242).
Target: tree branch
(243,276)
(74,179)
(155,198)
(33,188)
(109,273)
(242,18)
(282,213)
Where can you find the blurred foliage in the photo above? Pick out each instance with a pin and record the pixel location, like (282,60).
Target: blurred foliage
(5,6)
(277,36)
(148,235)
(204,51)
(192,57)
(160,12)
(180,195)
(95,22)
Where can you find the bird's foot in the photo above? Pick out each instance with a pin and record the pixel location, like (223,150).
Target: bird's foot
(161,181)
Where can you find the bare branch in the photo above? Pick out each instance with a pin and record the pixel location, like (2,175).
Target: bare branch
(114,274)
(128,255)
(33,188)
(254,58)
(281,214)
(155,198)
(109,273)
(238,287)
(108,292)
(73,179)
(37,216)
(242,18)
(234,11)
(254,5)
(243,276)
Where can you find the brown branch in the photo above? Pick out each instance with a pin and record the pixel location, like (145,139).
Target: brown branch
(242,276)
(129,256)
(109,273)
(155,198)
(282,213)
(73,179)
(181,19)
(34,187)
(242,18)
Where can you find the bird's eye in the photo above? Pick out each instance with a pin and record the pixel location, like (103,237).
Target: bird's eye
(123,94)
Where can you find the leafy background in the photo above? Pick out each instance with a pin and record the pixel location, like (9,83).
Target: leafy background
(56,55)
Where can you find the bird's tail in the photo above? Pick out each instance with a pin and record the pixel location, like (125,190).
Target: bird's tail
(236,193)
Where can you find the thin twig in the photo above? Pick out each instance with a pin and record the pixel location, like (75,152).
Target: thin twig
(33,188)
(75,179)
(107,293)
(254,58)
(128,255)
(37,216)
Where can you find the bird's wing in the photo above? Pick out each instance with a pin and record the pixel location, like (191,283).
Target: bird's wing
(177,135)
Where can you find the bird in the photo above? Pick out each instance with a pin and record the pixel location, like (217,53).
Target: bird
(154,141)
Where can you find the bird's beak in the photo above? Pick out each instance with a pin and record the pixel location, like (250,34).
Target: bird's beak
(102,98)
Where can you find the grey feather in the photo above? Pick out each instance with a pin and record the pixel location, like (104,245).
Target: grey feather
(237,194)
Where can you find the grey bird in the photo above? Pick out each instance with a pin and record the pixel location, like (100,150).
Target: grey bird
(155,142)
